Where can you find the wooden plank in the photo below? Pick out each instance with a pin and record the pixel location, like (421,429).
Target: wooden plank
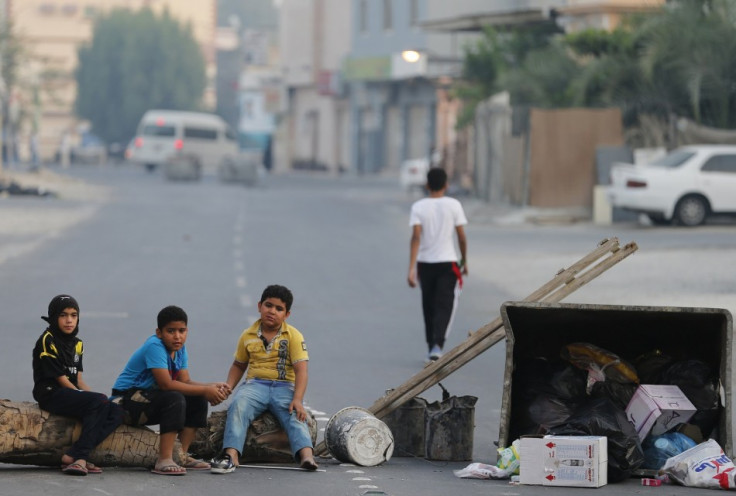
(566,281)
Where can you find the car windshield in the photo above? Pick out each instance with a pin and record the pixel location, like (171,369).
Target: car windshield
(674,159)
(155,130)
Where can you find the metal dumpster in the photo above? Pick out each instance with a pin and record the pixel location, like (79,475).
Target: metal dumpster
(542,329)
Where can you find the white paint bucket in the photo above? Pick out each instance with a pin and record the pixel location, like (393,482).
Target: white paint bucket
(355,435)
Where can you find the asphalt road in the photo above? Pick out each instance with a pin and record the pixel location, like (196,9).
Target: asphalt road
(341,245)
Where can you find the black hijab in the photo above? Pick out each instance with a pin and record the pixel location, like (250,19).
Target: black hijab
(58,305)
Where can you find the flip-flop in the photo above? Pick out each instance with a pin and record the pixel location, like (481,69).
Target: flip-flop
(169,470)
(309,464)
(75,469)
(91,468)
(191,463)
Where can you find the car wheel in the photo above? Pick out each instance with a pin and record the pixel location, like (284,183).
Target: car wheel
(691,211)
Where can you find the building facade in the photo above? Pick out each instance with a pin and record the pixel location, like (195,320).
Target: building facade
(387,97)
(53,30)
(314,40)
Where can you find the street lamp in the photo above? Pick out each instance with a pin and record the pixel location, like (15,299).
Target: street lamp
(411,56)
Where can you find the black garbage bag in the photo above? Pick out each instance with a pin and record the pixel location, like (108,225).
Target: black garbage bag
(547,410)
(601,417)
(545,392)
(650,366)
(619,393)
(699,382)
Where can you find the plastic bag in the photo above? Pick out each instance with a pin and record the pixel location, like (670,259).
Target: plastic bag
(509,459)
(705,465)
(657,449)
(506,466)
(482,471)
(700,384)
(601,364)
(601,417)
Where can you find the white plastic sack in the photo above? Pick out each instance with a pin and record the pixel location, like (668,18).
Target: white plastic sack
(506,466)
(482,471)
(705,465)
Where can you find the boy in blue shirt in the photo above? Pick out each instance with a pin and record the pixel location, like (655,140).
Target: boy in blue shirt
(155,388)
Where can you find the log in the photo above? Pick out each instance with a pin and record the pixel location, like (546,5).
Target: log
(607,254)
(31,436)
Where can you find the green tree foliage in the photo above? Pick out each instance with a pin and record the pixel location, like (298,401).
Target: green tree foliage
(495,61)
(678,61)
(137,61)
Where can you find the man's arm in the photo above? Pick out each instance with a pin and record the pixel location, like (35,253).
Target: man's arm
(463,243)
(416,236)
(300,387)
(213,392)
(237,369)
(80,382)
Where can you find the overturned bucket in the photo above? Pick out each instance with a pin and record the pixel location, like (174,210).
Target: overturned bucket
(355,435)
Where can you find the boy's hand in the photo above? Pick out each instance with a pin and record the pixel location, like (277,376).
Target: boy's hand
(215,395)
(301,413)
(224,387)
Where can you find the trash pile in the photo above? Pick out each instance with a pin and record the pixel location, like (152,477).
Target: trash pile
(592,418)
(10,187)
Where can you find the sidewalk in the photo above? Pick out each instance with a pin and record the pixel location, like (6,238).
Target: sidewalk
(27,221)
(482,212)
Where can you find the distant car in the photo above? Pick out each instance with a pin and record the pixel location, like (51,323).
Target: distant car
(684,187)
(90,150)
(413,173)
(183,144)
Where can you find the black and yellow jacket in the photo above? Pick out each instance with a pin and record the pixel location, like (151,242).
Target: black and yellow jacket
(54,355)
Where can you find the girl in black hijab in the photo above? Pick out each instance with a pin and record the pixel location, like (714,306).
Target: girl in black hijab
(60,389)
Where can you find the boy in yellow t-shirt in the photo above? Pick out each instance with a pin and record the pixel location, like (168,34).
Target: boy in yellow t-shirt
(275,356)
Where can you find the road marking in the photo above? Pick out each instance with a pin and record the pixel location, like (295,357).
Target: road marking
(324,419)
(237,252)
(240,282)
(367,486)
(101,491)
(354,472)
(239,265)
(361,478)
(245,301)
(237,239)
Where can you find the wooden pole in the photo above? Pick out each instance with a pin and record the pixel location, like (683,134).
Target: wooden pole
(566,281)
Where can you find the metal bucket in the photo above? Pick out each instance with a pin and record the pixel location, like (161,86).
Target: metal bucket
(355,435)
(407,426)
(450,425)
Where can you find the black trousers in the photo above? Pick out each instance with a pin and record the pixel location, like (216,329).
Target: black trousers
(171,410)
(438,282)
(99,417)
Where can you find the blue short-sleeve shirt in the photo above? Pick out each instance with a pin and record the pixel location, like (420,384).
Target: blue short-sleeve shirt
(152,355)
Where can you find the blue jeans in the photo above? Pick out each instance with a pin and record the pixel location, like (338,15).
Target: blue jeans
(253,398)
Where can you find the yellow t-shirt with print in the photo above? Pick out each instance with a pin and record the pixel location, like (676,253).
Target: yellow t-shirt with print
(275,362)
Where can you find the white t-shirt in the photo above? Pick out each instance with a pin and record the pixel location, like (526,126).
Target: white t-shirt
(438,217)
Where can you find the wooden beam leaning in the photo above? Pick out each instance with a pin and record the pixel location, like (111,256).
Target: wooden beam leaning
(607,254)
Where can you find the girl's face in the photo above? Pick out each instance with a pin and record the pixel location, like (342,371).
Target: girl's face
(68,319)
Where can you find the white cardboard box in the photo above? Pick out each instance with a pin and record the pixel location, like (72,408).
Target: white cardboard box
(656,409)
(572,461)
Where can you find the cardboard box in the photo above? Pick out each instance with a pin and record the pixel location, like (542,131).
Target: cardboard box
(570,461)
(656,409)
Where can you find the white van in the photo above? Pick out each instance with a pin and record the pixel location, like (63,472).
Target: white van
(184,144)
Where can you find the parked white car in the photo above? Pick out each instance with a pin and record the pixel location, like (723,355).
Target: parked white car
(684,187)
